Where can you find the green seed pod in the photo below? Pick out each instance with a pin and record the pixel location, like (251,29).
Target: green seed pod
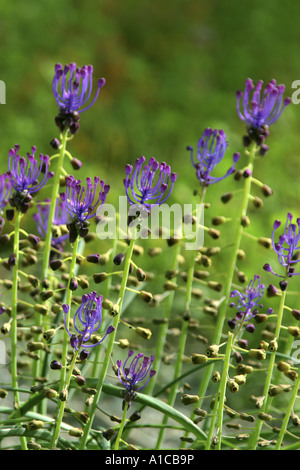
(233,386)
(75,432)
(35,346)
(171,273)
(107,304)
(197,293)
(257,202)
(34,425)
(89,390)
(108,434)
(265,416)
(31,445)
(266,190)
(169,286)
(210,311)
(47,335)
(36,330)
(201,274)
(123,343)
(242,277)
(50,393)
(146,296)
(243,369)
(264,345)
(63,396)
(214,250)
(294,331)
(114,310)
(189,399)
(141,275)
(260,317)
(37,388)
(212,351)
(283,366)
(214,234)
(257,400)
(154,251)
(242,437)
(226,197)
(99,277)
(5,328)
(291,374)
(245,221)
(80,380)
(296,314)
(216,377)
(265,242)
(82,416)
(143,332)
(3,393)
(34,281)
(199,358)
(45,295)
(240,379)
(246,417)
(273,346)
(218,220)
(200,412)
(217,286)
(259,354)
(274,390)
(241,255)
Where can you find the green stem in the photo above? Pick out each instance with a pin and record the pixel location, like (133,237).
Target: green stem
(267,398)
(121,426)
(63,382)
(14,307)
(288,413)
(231,270)
(110,345)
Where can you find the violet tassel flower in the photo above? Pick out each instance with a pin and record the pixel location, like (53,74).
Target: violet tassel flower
(247,303)
(260,108)
(81,201)
(142,187)
(61,217)
(211,149)
(72,88)
(5,193)
(287,247)
(87,321)
(136,375)
(25,174)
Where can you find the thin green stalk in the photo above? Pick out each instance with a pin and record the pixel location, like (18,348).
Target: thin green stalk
(14,307)
(110,345)
(288,413)
(231,270)
(58,425)
(220,400)
(256,433)
(116,447)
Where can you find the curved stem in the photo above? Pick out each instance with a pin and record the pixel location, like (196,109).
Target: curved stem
(14,303)
(288,413)
(121,426)
(109,346)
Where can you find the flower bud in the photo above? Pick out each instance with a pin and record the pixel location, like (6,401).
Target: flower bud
(146,296)
(259,354)
(80,380)
(31,445)
(233,386)
(274,390)
(82,416)
(240,379)
(48,334)
(246,417)
(226,197)
(265,416)
(34,425)
(266,242)
(141,275)
(50,393)
(216,377)
(75,432)
(218,220)
(99,277)
(63,396)
(283,366)
(294,331)
(273,346)
(212,351)
(35,346)
(3,393)
(291,374)
(143,332)
(189,399)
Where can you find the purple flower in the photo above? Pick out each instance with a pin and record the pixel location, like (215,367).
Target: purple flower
(61,217)
(25,174)
(81,201)
(210,151)
(138,371)
(142,187)
(247,302)
(287,246)
(261,107)
(72,88)
(87,320)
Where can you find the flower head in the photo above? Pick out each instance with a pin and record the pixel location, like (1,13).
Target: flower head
(25,174)
(136,374)
(247,302)
(61,217)
(72,88)
(210,151)
(287,246)
(142,187)
(87,320)
(81,201)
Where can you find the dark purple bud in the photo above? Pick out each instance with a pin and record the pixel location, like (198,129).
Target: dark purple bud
(55,143)
(119,258)
(55,365)
(84,354)
(94,258)
(250,328)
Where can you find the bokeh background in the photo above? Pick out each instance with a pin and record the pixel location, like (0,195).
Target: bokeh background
(172,68)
